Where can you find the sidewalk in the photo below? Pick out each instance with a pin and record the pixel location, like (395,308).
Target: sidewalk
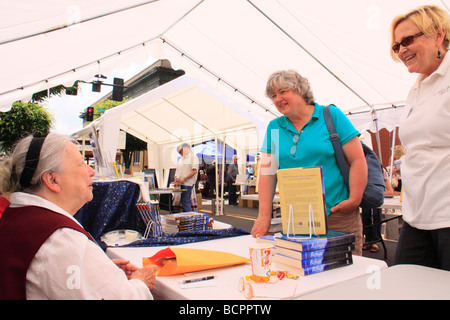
(238,217)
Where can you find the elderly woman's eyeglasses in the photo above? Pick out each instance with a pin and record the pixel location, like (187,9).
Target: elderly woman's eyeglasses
(405,42)
(294,147)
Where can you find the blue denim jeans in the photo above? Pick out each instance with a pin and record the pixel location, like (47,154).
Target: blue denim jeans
(186,198)
(371,219)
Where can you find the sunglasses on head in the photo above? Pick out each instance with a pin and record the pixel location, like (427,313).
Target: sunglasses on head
(405,42)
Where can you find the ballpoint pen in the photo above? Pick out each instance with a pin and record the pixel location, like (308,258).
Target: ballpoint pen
(197,279)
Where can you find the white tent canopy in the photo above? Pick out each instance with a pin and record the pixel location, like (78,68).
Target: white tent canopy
(388,118)
(179,111)
(228,46)
(341,47)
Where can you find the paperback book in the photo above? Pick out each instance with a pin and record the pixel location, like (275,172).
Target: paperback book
(321,267)
(309,255)
(149,212)
(305,263)
(187,221)
(315,254)
(302,201)
(331,239)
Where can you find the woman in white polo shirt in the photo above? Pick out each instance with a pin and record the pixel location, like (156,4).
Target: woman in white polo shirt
(420,39)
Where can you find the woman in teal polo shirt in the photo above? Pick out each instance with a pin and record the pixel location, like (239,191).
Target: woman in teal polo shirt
(300,138)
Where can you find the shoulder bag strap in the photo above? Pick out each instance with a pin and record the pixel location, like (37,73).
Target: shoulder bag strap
(334,138)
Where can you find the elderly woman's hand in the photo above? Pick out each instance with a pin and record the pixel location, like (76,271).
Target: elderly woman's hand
(146,274)
(126,266)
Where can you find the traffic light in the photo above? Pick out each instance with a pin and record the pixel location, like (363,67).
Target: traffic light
(90,114)
(117,94)
(96,86)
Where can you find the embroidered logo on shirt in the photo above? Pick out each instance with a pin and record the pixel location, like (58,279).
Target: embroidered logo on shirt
(443,91)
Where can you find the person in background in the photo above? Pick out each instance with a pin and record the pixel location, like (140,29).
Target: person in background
(300,138)
(211,173)
(372,217)
(232,173)
(46,253)
(250,171)
(399,154)
(420,39)
(186,174)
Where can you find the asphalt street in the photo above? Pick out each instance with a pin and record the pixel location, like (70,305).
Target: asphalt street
(238,217)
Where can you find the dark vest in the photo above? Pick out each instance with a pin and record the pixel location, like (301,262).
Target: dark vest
(22,232)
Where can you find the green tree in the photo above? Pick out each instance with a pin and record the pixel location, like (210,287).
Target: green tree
(56,91)
(105,105)
(22,119)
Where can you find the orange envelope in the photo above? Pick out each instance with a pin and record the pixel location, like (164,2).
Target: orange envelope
(171,261)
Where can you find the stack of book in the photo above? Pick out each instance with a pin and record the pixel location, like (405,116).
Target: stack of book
(186,221)
(313,255)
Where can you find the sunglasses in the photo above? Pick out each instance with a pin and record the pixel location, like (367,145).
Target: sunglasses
(405,42)
(294,147)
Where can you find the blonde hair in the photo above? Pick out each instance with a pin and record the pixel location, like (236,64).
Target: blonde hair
(290,79)
(429,19)
(398,152)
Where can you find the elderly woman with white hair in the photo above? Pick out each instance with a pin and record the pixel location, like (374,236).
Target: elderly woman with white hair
(46,253)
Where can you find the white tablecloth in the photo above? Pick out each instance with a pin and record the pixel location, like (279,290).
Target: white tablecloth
(400,282)
(392,203)
(226,283)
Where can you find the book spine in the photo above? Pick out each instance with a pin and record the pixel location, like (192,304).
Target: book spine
(326,266)
(314,261)
(329,251)
(326,243)
(315,253)
(316,244)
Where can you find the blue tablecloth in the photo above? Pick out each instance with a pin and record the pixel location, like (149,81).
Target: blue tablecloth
(188,237)
(112,208)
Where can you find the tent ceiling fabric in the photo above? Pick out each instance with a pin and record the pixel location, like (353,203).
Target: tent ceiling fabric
(188,114)
(229,45)
(79,51)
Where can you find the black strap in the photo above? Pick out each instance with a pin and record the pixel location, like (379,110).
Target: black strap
(31,161)
(334,138)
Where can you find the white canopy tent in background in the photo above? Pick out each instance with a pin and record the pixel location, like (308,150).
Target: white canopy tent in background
(230,47)
(206,151)
(181,110)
